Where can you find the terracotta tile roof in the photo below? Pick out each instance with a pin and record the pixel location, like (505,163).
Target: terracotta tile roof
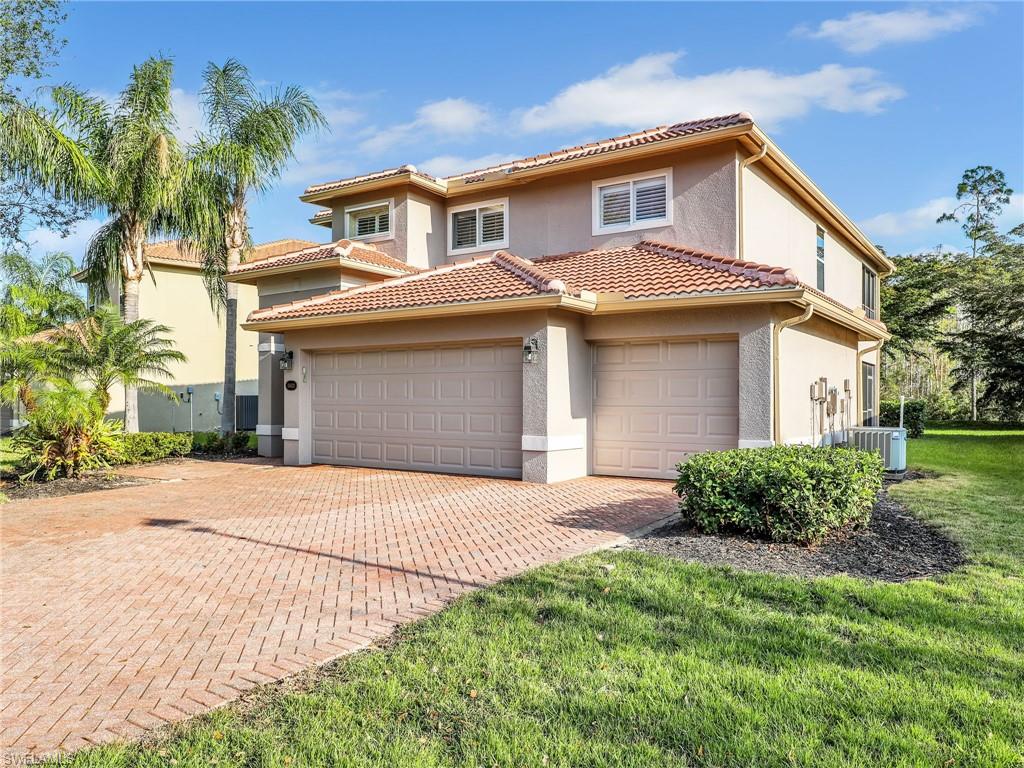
(376,175)
(638,271)
(343,249)
(323,216)
(649,136)
(172,250)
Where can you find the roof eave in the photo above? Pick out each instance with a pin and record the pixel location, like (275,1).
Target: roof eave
(490,306)
(251,277)
(371,184)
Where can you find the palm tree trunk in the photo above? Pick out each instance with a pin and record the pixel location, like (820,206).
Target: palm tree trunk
(132,267)
(234,233)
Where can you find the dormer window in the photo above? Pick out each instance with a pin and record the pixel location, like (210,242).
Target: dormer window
(369,221)
(640,201)
(478,227)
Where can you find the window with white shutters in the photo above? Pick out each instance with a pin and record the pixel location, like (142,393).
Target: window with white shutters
(478,227)
(370,221)
(633,202)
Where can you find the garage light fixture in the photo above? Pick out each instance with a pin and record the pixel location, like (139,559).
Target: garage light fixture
(530,349)
(286,360)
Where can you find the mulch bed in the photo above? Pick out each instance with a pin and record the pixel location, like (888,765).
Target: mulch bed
(89,481)
(896,546)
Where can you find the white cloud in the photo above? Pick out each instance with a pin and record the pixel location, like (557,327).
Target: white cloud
(920,222)
(188,114)
(865,31)
(896,223)
(449,165)
(446,118)
(46,240)
(648,92)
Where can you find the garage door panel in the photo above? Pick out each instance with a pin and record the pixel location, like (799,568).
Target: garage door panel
(436,409)
(652,411)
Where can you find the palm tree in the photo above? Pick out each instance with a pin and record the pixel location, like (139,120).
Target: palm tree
(105,350)
(123,159)
(38,296)
(249,141)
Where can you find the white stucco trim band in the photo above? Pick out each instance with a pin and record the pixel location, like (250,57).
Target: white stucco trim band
(289,433)
(271,346)
(268,429)
(546,443)
(756,443)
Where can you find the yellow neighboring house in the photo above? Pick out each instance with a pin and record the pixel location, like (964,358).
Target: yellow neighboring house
(173,294)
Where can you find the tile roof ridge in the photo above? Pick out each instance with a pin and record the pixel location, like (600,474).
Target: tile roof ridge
(323,298)
(763,273)
(529,272)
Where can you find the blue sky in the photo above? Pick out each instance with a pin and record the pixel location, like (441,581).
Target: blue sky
(884,105)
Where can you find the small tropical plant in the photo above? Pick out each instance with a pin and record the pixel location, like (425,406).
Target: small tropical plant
(66,434)
(105,350)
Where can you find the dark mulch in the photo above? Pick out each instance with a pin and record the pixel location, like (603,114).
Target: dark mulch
(91,481)
(896,546)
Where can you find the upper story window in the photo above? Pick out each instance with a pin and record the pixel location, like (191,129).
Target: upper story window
(478,227)
(632,202)
(369,221)
(869,293)
(821,259)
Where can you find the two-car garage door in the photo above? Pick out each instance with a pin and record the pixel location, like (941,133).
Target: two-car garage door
(656,402)
(459,409)
(434,409)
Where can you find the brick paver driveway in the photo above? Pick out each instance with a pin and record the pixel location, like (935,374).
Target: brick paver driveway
(129,608)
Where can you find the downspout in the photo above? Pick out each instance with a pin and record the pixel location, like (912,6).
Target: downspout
(857,377)
(739,195)
(777,330)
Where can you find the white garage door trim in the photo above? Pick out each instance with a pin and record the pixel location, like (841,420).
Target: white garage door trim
(657,401)
(444,408)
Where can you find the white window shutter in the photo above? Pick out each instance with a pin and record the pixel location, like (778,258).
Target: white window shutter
(492,224)
(614,202)
(651,199)
(464,229)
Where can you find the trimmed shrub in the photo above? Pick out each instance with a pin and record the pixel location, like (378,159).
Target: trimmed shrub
(66,435)
(236,443)
(139,447)
(788,493)
(913,415)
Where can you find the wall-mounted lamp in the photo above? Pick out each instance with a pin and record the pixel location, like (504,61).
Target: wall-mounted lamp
(530,350)
(286,360)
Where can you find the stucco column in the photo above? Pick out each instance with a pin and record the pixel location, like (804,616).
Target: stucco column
(556,403)
(755,406)
(296,433)
(271,395)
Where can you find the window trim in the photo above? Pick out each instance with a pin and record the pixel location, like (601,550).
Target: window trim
(820,261)
(633,225)
(389,235)
(867,408)
(871,312)
(479,247)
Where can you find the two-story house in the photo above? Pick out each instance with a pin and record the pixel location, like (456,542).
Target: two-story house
(606,309)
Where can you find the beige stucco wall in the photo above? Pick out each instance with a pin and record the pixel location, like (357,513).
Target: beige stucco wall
(554,215)
(807,352)
(176,296)
(779,230)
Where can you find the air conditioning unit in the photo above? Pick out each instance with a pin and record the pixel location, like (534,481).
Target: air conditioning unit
(890,442)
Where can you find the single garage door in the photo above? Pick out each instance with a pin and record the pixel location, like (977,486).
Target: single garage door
(437,409)
(656,402)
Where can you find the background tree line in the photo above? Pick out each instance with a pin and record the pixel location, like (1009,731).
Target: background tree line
(957,319)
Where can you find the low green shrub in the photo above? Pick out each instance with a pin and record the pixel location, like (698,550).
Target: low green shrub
(788,493)
(233,444)
(65,435)
(138,447)
(913,415)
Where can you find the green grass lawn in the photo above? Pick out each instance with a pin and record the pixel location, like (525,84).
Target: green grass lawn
(662,663)
(7,456)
